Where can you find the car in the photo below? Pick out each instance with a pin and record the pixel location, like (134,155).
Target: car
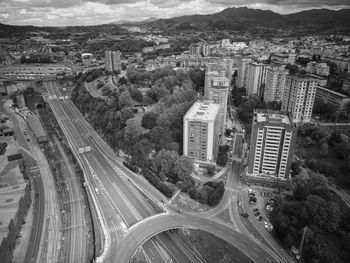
(255,209)
(25,133)
(251,194)
(260,218)
(179,210)
(250,190)
(257,214)
(268,208)
(245,215)
(252,198)
(28,140)
(275,191)
(266,225)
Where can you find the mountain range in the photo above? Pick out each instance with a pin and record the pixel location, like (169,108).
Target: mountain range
(242,18)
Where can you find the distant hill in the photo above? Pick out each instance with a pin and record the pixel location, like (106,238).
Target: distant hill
(244,18)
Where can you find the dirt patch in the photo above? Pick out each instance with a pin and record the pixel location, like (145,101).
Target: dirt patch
(186,203)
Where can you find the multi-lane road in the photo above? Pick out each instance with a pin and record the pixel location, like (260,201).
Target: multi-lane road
(125,214)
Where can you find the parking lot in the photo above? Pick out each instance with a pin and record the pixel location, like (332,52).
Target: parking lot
(262,201)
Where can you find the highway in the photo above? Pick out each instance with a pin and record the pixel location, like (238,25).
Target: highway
(124,209)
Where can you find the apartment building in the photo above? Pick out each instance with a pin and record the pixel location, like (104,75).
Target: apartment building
(256,78)
(299,97)
(283,59)
(321,69)
(275,83)
(336,99)
(201,132)
(243,69)
(272,143)
(216,89)
(112,60)
(200,49)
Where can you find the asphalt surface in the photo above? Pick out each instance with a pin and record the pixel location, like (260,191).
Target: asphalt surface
(106,173)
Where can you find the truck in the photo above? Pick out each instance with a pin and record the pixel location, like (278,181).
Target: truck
(97,191)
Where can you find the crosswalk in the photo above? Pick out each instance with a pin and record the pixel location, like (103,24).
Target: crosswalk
(118,228)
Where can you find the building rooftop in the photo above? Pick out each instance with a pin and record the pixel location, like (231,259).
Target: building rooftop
(272,116)
(36,126)
(332,92)
(203,111)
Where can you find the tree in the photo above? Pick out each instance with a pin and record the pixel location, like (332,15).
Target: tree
(222,157)
(183,167)
(132,131)
(324,149)
(136,95)
(149,120)
(122,81)
(126,113)
(125,99)
(157,92)
(293,69)
(211,169)
(164,162)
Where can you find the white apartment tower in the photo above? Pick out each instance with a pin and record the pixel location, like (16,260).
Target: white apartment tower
(272,143)
(299,97)
(201,135)
(275,83)
(112,60)
(256,77)
(216,88)
(243,69)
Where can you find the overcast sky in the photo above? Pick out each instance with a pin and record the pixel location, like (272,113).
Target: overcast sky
(92,12)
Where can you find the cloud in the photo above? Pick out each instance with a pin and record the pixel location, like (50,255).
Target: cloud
(90,12)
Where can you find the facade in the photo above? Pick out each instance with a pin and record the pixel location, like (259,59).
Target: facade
(200,49)
(201,131)
(272,143)
(112,59)
(283,58)
(256,78)
(299,97)
(243,69)
(321,69)
(275,83)
(338,100)
(216,89)
(346,84)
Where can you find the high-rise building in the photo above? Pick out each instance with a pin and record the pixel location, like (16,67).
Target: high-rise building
(112,60)
(243,69)
(275,83)
(299,96)
(216,88)
(283,59)
(201,131)
(272,143)
(256,78)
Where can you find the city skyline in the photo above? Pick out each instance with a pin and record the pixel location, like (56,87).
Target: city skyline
(94,12)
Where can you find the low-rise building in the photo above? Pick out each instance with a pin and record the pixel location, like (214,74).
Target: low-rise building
(321,69)
(338,100)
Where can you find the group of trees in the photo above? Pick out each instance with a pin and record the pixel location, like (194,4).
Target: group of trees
(329,147)
(312,205)
(154,143)
(222,155)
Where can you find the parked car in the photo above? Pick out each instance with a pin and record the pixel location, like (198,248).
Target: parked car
(245,215)
(252,198)
(257,214)
(260,218)
(269,208)
(251,194)
(255,210)
(250,190)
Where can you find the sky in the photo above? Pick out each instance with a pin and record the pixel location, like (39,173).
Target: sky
(93,12)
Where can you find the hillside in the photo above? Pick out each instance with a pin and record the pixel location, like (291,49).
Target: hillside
(244,18)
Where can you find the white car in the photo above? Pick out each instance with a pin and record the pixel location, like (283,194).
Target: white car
(251,191)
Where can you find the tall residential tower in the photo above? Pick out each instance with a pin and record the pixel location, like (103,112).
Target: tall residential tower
(201,131)
(272,144)
(299,97)
(112,60)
